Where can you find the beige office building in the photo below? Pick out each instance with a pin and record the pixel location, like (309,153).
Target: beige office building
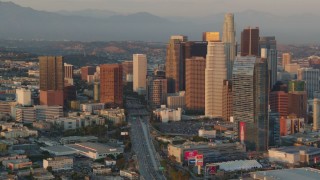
(215,74)
(316,114)
(139,72)
(286,59)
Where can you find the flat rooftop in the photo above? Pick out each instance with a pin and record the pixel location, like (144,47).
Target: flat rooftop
(292,174)
(297,149)
(94,147)
(58,149)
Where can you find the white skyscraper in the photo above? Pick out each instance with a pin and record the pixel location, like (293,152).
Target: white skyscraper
(228,37)
(139,72)
(23,97)
(316,114)
(215,74)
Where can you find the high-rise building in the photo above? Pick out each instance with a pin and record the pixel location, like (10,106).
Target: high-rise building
(195,84)
(157,91)
(268,50)
(274,129)
(229,38)
(316,114)
(227,100)
(96,91)
(215,74)
(286,59)
(250,101)
(111,87)
(278,101)
(139,72)
(51,80)
(23,97)
(127,69)
(68,71)
(311,77)
(297,99)
(178,49)
(250,42)
(87,70)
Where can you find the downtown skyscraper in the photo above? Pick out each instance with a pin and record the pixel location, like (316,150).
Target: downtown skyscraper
(268,50)
(229,38)
(215,74)
(51,80)
(250,42)
(250,101)
(139,73)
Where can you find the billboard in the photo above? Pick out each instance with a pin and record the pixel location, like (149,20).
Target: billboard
(124,133)
(212,169)
(242,128)
(190,154)
(199,160)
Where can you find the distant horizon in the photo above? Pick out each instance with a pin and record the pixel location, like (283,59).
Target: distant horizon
(190,8)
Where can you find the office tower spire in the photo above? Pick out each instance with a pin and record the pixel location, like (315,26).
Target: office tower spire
(228,37)
(215,74)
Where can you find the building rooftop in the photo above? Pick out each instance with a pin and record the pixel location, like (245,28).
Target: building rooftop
(297,149)
(292,174)
(58,149)
(94,147)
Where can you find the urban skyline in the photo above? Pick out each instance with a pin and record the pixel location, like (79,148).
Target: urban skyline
(210,108)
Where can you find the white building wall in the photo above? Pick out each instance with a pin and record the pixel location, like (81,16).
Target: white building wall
(24,97)
(215,74)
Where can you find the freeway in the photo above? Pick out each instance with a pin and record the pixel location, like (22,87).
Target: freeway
(148,159)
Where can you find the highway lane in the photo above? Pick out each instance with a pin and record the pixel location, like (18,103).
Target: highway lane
(143,147)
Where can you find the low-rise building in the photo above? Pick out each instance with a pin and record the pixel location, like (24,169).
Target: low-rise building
(91,107)
(212,152)
(176,100)
(117,116)
(295,173)
(165,114)
(58,163)
(15,164)
(129,174)
(95,150)
(295,154)
(101,171)
(69,123)
(78,139)
(18,132)
(59,150)
(207,133)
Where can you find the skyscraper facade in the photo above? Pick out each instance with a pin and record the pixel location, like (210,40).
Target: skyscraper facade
(250,42)
(157,91)
(127,69)
(111,86)
(279,102)
(268,50)
(286,59)
(311,77)
(195,84)
(139,72)
(175,63)
(51,80)
(215,74)
(87,70)
(250,101)
(178,49)
(229,38)
(227,105)
(68,71)
(316,114)
(297,99)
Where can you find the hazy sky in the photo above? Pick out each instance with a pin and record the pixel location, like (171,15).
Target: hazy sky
(178,7)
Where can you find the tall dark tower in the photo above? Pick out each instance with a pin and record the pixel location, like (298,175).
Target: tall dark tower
(51,80)
(250,42)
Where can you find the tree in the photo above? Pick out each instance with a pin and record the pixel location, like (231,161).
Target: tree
(49,168)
